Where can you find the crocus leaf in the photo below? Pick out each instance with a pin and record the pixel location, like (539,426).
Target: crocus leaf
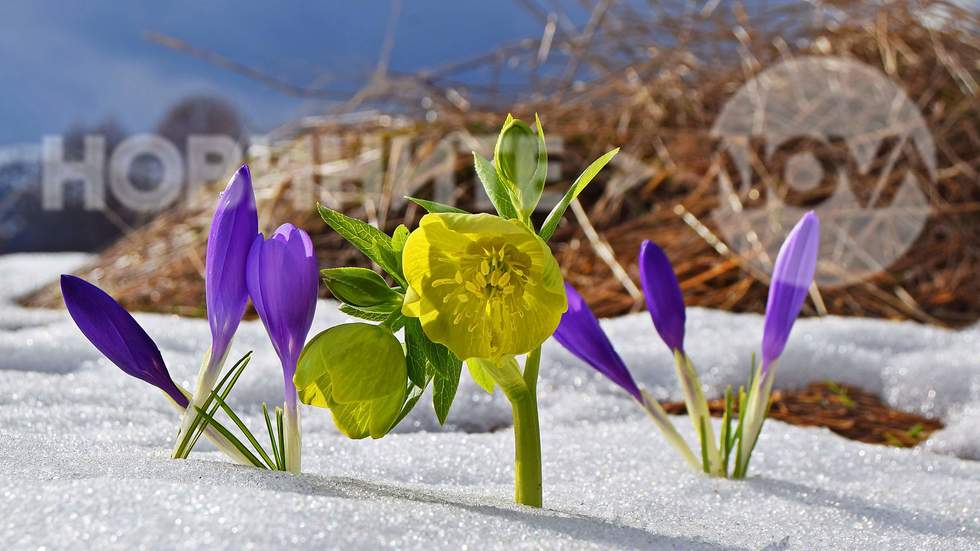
(371,241)
(433,206)
(498,194)
(362,288)
(480,375)
(554,217)
(356,370)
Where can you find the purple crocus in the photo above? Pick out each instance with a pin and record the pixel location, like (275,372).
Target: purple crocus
(233,229)
(791,279)
(112,330)
(282,281)
(663,295)
(579,332)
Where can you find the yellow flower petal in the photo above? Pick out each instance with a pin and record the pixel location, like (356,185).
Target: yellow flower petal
(483,286)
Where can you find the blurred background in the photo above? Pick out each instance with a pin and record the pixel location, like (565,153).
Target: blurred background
(359,106)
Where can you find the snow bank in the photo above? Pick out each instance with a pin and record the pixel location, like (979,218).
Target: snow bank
(83,449)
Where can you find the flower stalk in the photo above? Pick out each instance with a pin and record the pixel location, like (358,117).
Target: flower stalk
(527,437)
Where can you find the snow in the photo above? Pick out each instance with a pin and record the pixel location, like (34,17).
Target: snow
(84,449)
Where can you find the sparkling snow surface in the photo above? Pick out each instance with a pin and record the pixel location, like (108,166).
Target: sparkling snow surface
(84,449)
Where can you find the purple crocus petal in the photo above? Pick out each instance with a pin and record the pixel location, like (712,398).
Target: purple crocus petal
(282,280)
(579,332)
(233,228)
(663,295)
(791,279)
(117,335)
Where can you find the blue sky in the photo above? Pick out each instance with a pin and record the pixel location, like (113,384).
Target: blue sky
(63,63)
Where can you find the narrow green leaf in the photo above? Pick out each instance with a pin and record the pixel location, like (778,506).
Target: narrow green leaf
(282,438)
(230,437)
(433,207)
(706,465)
(498,194)
(244,428)
(554,217)
(725,440)
(225,384)
(273,440)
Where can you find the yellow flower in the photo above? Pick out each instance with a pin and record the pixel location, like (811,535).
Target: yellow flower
(483,286)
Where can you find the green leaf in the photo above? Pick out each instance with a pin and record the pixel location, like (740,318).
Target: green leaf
(444,384)
(356,370)
(446,368)
(415,354)
(362,314)
(498,194)
(480,375)
(434,207)
(244,428)
(554,217)
(273,440)
(411,399)
(394,321)
(371,241)
(362,289)
(230,437)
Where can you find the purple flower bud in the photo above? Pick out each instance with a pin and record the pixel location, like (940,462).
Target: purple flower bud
(282,281)
(117,335)
(233,229)
(791,279)
(579,332)
(663,295)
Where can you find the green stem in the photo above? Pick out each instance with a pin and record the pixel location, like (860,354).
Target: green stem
(527,437)
(293,451)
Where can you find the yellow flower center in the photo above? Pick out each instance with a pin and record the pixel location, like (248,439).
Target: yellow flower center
(490,275)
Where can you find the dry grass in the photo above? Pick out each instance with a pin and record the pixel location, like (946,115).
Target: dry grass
(658,80)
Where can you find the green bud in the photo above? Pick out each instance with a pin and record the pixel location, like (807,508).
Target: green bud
(521,162)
